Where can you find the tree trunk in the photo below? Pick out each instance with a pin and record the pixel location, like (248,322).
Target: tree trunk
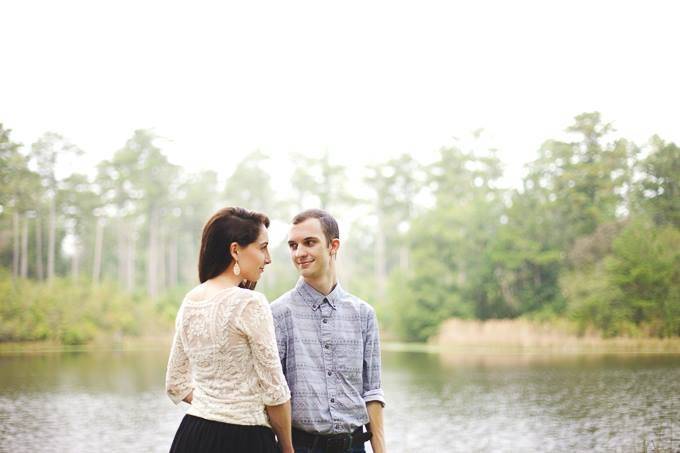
(16,239)
(161,263)
(172,262)
(40,272)
(152,256)
(380,259)
(122,254)
(24,248)
(98,243)
(51,244)
(403,257)
(75,259)
(130,266)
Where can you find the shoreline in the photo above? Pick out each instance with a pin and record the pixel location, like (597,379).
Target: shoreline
(615,346)
(526,336)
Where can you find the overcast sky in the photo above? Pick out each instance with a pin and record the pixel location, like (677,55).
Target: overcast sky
(364,80)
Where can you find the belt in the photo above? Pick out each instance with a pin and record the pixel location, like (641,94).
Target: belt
(331,443)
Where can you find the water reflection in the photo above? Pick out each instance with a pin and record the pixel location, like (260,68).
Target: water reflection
(79,401)
(107,401)
(532,402)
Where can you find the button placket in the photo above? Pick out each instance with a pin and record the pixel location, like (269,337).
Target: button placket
(329,355)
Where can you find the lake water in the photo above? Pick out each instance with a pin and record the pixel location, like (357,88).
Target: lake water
(114,402)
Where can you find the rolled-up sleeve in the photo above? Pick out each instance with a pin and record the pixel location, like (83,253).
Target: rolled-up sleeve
(372,386)
(178,381)
(258,325)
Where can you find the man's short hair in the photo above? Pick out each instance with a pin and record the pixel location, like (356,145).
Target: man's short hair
(329,226)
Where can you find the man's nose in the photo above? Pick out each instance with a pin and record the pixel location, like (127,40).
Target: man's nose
(299,251)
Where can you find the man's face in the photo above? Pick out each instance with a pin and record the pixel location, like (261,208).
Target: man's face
(309,248)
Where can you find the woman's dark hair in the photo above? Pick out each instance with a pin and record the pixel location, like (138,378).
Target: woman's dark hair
(227,225)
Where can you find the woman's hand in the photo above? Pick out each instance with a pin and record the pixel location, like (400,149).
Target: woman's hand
(189,397)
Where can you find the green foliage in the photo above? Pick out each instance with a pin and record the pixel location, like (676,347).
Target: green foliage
(635,288)
(658,192)
(592,234)
(72,312)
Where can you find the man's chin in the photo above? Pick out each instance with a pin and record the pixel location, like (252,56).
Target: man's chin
(306,272)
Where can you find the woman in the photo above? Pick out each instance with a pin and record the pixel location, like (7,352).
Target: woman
(224,360)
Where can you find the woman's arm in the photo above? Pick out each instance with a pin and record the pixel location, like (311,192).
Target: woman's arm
(258,325)
(280,419)
(178,383)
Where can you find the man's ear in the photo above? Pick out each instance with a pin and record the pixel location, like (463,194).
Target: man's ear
(233,250)
(335,246)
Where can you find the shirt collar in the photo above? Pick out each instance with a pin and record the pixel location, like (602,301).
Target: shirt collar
(314,298)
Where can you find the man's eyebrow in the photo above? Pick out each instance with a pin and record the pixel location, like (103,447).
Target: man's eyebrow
(308,238)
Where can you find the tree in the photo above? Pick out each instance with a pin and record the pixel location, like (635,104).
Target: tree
(570,190)
(249,186)
(449,244)
(19,192)
(658,191)
(77,202)
(318,178)
(395,183)
(138,184)
(47,153)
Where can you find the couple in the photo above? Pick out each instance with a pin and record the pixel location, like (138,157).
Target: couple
(305,368)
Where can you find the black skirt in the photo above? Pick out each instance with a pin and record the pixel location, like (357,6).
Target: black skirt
(197,434)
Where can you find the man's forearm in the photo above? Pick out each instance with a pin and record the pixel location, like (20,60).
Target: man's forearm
(280,419)
(375,426)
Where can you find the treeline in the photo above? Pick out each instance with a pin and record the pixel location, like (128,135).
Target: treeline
(592,234)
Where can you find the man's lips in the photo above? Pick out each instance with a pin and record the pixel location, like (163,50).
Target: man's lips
(304,263)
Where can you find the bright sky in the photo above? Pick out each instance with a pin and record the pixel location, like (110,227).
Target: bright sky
(364,80)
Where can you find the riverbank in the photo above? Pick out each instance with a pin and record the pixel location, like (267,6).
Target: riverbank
(525,335)
(477,346)
(150,343)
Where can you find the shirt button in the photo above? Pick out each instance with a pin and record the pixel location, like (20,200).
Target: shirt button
(330,372)
(325,321)
(327,346)
(332,400)
(314,306)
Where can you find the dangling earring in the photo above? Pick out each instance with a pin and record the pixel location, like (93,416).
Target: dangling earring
(237,269)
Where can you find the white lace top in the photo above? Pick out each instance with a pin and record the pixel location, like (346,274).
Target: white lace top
(224,350)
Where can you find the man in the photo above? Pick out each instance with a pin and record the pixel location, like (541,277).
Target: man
(329,347)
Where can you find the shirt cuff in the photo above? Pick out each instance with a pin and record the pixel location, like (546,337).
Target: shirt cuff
(276,396)
(375,395)
(177,395)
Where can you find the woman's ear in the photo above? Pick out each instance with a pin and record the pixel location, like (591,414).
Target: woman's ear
(233,250)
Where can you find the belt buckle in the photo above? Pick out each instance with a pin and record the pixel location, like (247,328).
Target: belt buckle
(338,443)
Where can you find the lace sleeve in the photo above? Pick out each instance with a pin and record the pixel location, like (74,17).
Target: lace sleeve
(178,374)
(258,326)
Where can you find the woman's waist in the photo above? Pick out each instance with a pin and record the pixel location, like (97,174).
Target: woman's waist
(237,414)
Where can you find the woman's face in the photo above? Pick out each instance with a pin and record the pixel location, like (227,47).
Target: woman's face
(254,257)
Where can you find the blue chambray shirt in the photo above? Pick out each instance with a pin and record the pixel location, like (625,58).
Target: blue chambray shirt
(330,353)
